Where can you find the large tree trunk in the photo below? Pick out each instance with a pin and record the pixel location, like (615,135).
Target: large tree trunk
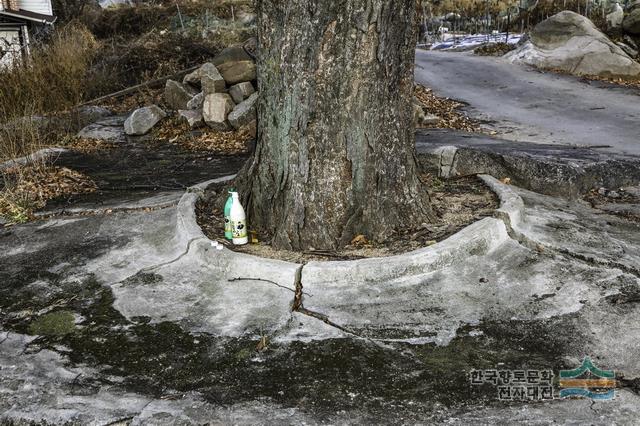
(335,155)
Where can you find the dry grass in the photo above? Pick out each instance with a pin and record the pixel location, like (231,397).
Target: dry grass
(33,97)
(51,80)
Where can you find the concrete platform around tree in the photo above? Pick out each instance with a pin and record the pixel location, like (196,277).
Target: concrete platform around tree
(132,317)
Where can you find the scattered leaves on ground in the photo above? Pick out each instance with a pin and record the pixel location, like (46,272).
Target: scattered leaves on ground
(30,187)
(446,109)
(618,202)
(204,139)
(86,145)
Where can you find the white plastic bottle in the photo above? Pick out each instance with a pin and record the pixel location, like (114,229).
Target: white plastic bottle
(238,221)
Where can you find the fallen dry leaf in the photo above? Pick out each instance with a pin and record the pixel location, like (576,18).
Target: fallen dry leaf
(359,241)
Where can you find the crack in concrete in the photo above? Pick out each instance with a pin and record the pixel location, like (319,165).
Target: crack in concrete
(266,281)
(160,265)
(297,306)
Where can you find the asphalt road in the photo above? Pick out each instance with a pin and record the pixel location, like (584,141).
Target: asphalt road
(527,105)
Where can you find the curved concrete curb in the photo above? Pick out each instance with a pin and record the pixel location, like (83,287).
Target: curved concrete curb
(187,225)
(476,239)
(225,260)
(511,204)
(42,154)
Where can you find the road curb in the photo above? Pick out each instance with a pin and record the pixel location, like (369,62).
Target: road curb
(556,170)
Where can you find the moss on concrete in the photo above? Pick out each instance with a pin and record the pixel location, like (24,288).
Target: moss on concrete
(56,323)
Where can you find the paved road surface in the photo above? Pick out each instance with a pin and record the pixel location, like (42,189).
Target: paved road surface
(527,105)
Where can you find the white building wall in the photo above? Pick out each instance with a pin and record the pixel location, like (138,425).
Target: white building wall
(38,6)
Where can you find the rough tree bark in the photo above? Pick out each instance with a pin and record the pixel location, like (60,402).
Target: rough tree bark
(335,154)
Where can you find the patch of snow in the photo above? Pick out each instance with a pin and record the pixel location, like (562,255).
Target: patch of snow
(473,40)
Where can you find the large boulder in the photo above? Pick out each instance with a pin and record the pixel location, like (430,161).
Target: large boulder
(235,65)
(215,110)
(571,43)
(633,5)
(631,22)
(143,119)
(178,95)
(244,113)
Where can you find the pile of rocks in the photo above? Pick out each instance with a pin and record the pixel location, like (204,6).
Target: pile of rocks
(220,94)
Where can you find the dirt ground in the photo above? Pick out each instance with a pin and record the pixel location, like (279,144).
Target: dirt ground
(458,202)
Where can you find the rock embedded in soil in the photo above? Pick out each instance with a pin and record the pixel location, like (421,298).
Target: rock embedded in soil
(215,110)
(143,119)
(244,113)
(423,118)
(88,114)
(241,91)
(178,95)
